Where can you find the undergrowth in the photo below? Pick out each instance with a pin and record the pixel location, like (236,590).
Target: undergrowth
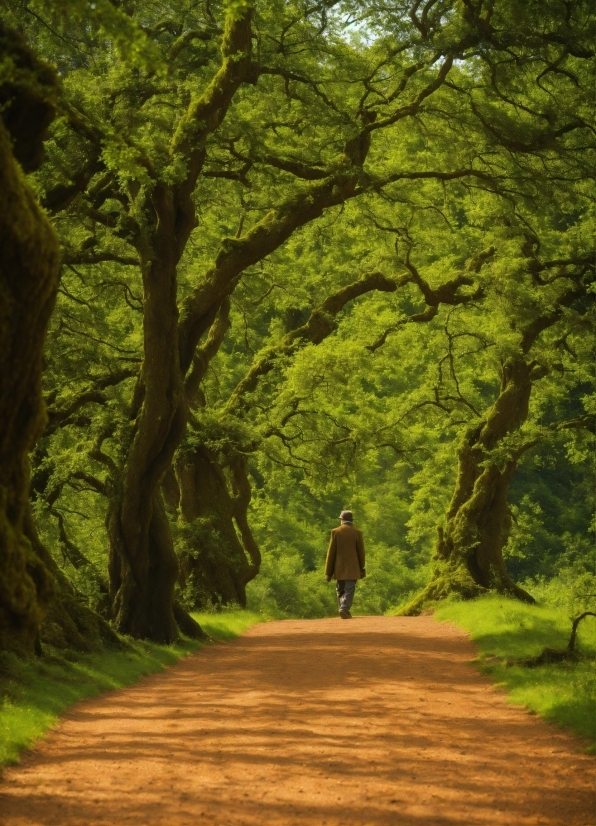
(34,692)
(562,693)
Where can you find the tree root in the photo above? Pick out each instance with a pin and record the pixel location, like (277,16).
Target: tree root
(456,582)
(546,657)
(556,655)
(187,624)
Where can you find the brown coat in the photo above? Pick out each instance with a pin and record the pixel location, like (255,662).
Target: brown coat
(345,557)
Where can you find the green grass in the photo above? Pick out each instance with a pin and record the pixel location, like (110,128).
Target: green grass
(33,693)
(563,693)
(228,624)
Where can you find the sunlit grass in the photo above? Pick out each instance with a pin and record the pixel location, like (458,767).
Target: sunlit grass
(562,693)
(227,624)
(33,693)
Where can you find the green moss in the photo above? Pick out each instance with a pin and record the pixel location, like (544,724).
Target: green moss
(447,582)
(34,692)
(507,629)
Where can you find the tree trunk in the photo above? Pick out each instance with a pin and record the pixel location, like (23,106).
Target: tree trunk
(219,555)
(28,285)
(143,566)
(242,496)
(469,550)
(161,409)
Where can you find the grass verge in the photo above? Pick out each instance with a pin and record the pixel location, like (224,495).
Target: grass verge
(33,693)
(228,624)
(562,693)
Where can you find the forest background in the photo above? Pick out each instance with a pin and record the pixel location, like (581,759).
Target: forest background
(312,256)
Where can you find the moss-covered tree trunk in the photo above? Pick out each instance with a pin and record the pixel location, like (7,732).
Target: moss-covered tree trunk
(469,551)
(28,285)
(143,566)
(220,555)
(37,602)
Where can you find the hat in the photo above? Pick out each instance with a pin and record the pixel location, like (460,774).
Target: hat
(346,516)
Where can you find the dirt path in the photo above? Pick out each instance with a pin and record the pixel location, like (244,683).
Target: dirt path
(377,720)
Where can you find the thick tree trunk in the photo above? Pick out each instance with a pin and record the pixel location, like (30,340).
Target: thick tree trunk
(219,554)
(143,566)
(469,551)
(28,286)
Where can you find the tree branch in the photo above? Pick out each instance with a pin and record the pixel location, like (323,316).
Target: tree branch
(57,416)
(317,328)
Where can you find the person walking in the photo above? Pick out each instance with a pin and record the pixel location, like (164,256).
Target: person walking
(345,561)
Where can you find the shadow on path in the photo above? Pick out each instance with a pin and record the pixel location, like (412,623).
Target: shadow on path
(380,720)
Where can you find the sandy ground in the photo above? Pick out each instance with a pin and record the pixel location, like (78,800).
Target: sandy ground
(375,721)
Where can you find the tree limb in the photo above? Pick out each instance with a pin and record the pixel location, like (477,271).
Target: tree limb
(317,328)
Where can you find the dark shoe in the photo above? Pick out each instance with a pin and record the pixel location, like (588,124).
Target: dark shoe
(345,615)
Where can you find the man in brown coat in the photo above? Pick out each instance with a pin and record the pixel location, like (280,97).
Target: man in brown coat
(345,562)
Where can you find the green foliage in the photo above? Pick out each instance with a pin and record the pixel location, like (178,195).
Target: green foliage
(366,419)
(284,589)
(292,524)
(371,414)
(35,692)
(572,590)
(552,530)
(504,628)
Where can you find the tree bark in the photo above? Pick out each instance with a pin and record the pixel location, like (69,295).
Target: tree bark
(139,597)
(469,551)
(143,567)
(220,555)
(28,284)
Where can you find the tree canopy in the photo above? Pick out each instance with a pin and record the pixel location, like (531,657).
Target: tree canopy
(308,253)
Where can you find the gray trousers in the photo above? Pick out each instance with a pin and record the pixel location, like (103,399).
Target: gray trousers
(345,593)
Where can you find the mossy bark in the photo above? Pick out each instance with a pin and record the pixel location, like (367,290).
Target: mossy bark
(220,555)
(37,602)
(469,551)
(28,285)
(143,566)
